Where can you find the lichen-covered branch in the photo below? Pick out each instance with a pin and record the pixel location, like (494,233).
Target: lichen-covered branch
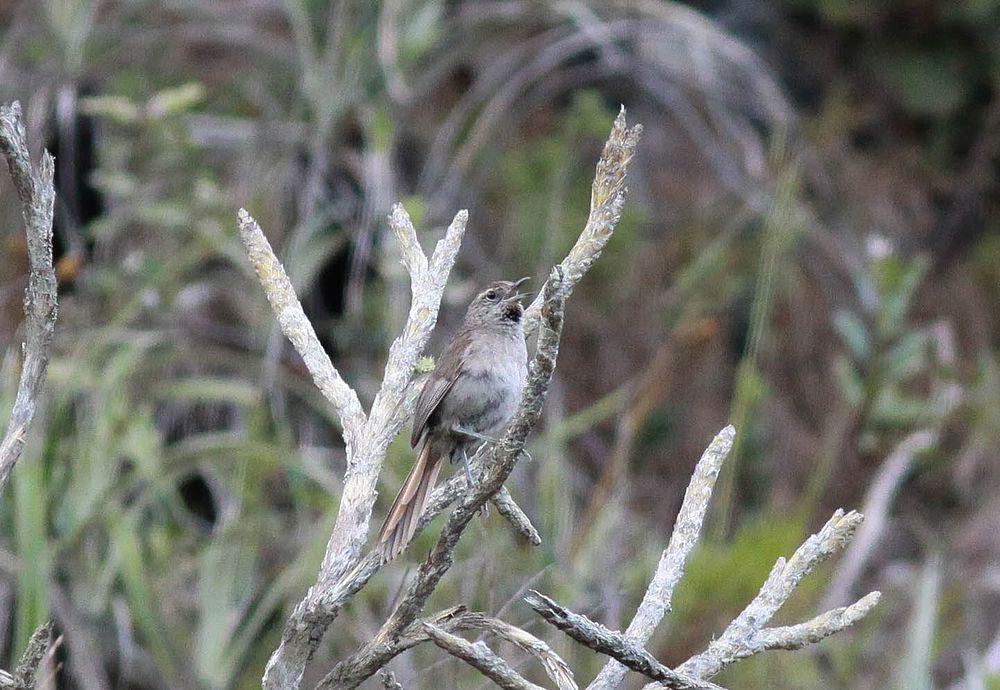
(427,282)
(35,188)
(367,438)
(791,637)
(607,197)
(599,638)
(480,657)
(512,512)
(554,666)
(24,676)
(687,529)
(502,457)
(299,330)
(741,638)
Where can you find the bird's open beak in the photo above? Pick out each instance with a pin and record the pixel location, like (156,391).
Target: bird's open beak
(513,294)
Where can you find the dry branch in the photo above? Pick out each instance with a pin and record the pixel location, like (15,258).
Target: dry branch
(512,512)
(554,666)
(599,638)
(607,197)
(480,657)
(35,188)
(687,528)
(299,330)
(791,637)
(743,636)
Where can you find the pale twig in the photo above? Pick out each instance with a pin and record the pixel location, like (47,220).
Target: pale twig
(299,330)
(557,669)
(687,528)
(35,188)
(502,457)
(480,657)
(599,638)
(740,638)
(507,508)
(793,637)
(607,197)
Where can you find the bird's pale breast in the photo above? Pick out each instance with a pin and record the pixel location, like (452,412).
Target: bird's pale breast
(485,395)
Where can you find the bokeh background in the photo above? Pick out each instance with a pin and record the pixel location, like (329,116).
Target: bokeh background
(810,250)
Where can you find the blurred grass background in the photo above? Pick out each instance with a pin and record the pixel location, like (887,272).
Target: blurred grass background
(810,250)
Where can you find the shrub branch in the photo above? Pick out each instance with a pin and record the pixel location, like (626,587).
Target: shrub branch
(35,188)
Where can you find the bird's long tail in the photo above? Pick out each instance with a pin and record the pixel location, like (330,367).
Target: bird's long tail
(401,522)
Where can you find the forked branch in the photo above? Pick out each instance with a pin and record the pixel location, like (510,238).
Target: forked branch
(746,635)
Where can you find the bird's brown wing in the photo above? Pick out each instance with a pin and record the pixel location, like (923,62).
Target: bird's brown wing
(447,369)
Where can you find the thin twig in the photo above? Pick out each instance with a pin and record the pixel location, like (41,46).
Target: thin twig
(512,512)
(37,193)
(798,636)
(299,330)
(607,197)
(480,657)
(557,669)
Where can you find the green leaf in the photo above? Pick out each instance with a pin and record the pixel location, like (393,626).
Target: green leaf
(851,385)
(907,357)
(854,334)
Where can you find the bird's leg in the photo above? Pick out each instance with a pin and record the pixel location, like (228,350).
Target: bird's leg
(468,472)
(470,484)
(459,429)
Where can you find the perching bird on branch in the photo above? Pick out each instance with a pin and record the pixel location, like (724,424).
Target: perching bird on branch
(468,398)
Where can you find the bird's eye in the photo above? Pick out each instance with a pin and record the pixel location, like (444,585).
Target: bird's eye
(491,295)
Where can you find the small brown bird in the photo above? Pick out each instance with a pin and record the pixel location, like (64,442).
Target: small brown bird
(468,398)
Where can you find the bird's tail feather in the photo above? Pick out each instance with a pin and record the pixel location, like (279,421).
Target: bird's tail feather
(401,522)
